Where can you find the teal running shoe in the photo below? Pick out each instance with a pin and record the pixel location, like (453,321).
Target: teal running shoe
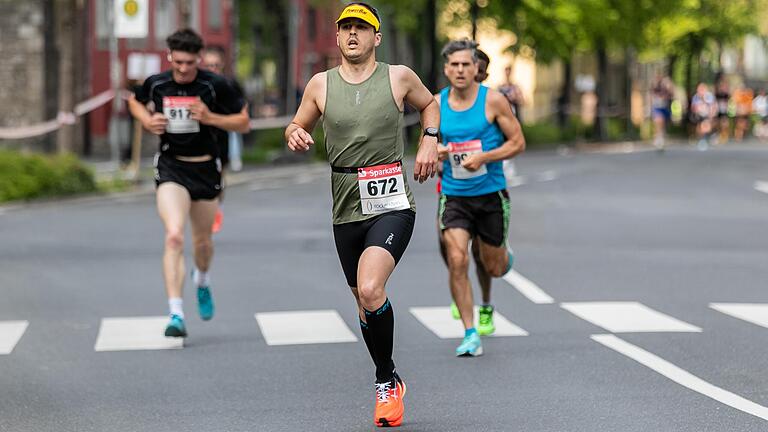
(471,346)
(176,327)
(510,260)
(485,324)
(455,311)
(205,303)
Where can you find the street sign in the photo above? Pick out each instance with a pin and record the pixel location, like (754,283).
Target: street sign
(131,18)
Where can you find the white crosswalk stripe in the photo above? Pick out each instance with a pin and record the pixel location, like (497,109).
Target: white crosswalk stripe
(135,333)
(755,313)
(10,334)
(527,288)
(304,327)
(627,317)
(440,322)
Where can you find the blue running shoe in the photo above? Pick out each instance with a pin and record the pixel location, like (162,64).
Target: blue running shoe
(511,259)
(471,346)
(176,327)
(205,303)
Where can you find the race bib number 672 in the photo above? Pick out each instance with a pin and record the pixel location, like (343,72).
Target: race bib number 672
(382,188)
(176,111)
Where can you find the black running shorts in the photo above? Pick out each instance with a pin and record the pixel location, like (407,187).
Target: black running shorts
(201,179)
(391,231)
(486,216)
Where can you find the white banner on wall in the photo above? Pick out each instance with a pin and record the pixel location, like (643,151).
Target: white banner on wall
(131,18)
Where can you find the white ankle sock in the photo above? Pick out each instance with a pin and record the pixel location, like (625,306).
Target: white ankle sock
(200,278)
(176,306)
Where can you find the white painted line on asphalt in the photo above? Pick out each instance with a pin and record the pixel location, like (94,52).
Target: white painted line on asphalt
(527,288)
(135,333)
(440,322)
(755,313)
(10,334)
(304,327)
(680,376)
(761,186)
(515,181)
(547,176)
(627,317)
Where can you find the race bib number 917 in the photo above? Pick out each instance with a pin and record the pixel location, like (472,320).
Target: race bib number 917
(459,152)
(382,189)
(177,112)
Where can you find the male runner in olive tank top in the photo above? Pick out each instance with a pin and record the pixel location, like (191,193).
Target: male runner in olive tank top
(362,103)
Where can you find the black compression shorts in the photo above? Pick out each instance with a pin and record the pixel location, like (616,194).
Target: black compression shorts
(201,179)
(391,231)
(486,216)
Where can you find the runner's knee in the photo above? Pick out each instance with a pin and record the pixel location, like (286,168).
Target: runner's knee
(458,260)
(174,239)
(369,292)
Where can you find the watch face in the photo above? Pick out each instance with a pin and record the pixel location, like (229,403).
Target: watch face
(431,131)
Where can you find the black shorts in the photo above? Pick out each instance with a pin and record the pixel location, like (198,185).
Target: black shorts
(391,231)
(201,179)
(486,216)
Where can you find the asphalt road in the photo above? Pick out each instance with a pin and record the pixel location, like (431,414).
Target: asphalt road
(619,238)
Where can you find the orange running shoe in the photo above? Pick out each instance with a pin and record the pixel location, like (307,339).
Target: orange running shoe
(218,220)
(389,403)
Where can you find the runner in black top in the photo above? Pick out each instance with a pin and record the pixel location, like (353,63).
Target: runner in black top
(186,105)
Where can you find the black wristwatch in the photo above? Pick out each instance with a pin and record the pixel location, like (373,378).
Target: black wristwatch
(431,131)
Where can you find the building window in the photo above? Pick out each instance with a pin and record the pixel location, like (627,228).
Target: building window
(165,20)
(215,14)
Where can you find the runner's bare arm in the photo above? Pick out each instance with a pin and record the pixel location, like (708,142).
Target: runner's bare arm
(297,134)
(237,122)
(153,122)
(502,114)
(419,97)
(442,149)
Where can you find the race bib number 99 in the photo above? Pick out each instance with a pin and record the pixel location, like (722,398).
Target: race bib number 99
(382,189)
(177,112)
(459,152)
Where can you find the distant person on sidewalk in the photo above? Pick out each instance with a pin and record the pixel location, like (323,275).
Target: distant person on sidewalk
(760,111)
(742,99)
(662,93)
(703,111)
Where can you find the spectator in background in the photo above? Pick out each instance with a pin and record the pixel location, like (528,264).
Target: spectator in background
(742,99)
(760,111)
(722,97)
(703,111)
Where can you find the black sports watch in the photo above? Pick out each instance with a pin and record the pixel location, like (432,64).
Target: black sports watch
(431,131)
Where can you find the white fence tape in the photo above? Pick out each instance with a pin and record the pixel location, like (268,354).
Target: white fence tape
(62,118)
(90,104)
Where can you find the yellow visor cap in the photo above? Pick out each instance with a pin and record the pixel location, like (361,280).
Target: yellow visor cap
(361,12)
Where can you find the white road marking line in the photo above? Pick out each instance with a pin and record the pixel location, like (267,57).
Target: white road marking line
(135,333)
(440,322)
(755,313)
(547,176)
(304,327)
(515,181)
(680,376)
(10,334)
(627,317)
(761,186)
(527,288)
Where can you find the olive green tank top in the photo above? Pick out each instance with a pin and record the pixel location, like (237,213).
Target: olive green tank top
(363,127)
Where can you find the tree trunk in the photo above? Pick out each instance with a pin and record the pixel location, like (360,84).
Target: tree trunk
(601,87)
(278,10)
(629,62)
(65,30)
(564,100)
(430,52)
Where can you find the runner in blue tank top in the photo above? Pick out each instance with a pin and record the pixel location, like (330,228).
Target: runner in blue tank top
(478,131)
